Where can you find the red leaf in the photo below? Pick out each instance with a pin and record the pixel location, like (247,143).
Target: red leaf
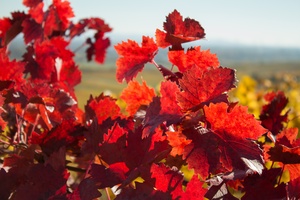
(104,107)
(98,48)
(10,28)
(201,86)
(178,31)
(263,186)
(32,30)
(86,190)
(164,109)
(234,127)
(286,151)
(136,95)
(134,57)
(194,189)
(58,17)
(293,189)
(108,177)
(90,23)
(5,25)
(2,122)
(271,115)
(193,57)
(11,70)
(37,13)
(47,182)
(167,180)
(31,3)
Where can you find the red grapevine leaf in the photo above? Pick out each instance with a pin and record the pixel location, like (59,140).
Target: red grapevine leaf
(167,180)
(293,189)
(271,115)
(134,57)
(194,56)
(10,70)
(194,189)
(200,87)
(37,13)
(31,3)
(90,23)
(87,189)
(286,151)
(164,109)
(10,28)
(2,122)
(178,31)
(104,107)
(142,191)
(234,127)
(98,48)
(5,25)
(32,30)
(263,186)
(6,184)
(47,182)
(136,95)
(108,177)
(58,17)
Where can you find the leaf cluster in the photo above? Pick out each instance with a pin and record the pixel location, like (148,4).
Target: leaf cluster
(51,149)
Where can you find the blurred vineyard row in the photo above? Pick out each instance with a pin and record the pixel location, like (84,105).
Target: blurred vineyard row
(250,92)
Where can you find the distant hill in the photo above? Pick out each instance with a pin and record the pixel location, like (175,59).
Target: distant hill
(228,53)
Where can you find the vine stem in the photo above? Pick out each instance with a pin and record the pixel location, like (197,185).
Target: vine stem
(155,64)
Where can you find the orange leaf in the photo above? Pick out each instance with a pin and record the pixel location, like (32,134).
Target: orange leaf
(136,95)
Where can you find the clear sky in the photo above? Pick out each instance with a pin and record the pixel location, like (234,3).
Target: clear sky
(255,22)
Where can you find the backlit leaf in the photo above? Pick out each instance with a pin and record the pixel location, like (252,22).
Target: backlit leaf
(134,57)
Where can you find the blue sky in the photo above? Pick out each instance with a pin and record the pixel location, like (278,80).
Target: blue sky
(255,22)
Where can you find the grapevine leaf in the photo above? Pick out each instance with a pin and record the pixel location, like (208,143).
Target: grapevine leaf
(37,13)
(134,57)
(31,3)
(108,177)
(10,70)
(10,28)
(200,87)
(178,31)
(6,184)
(58,15)
(167,180)
(163,109)
(136,95)
(32,30)
(97,48)
(94,23)
(286,151)
(293,189)
(142,191)
(52,185)
(193,57)
(271,115)
(103,107)
(178,141)
(194,189)
(87,189)
(263,186)
(169,75)
(236,127)
(60,136)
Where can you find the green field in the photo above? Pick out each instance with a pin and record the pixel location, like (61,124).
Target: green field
(100,78)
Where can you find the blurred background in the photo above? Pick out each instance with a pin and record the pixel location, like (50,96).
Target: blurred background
(260,39)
